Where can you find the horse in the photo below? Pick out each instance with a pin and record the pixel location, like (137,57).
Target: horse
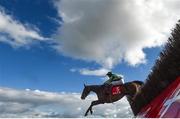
(129,89)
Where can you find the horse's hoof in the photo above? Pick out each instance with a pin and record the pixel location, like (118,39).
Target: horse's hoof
(86,114)
(91,112)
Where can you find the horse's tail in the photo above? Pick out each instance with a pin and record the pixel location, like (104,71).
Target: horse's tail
(138,82)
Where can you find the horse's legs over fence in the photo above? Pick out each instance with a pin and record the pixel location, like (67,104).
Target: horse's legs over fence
(93,103)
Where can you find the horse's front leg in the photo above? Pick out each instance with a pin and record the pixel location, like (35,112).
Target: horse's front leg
(88,110)
(93,103)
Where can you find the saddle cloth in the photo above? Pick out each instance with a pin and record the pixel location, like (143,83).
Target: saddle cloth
(116,90)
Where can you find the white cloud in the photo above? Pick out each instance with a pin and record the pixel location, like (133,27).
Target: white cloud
(91,72)
(15,33)
(98,72)
(29,103)
(111,31)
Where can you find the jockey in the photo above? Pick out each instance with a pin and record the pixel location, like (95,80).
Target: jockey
(113,79)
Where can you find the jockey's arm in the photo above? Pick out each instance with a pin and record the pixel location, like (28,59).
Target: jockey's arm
(116,78)
(108,81)
(111,79)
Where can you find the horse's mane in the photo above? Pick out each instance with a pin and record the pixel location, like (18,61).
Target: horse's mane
(164,72)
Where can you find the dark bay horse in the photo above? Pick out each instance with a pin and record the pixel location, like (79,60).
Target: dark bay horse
(129,89)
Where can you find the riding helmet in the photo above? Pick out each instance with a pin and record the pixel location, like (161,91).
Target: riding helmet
(109,74)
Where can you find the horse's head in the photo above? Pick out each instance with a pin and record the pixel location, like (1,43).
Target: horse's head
(85,92)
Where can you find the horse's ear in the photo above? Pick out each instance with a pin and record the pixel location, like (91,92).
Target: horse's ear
(84,85)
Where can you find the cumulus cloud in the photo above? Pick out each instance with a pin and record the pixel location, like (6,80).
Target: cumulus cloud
(94,72)
(111,31)
(91,72)
(30,103)
(15,33)
(98,72)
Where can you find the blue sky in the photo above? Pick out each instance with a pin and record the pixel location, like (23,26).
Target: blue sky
(39,66)
(42,68)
